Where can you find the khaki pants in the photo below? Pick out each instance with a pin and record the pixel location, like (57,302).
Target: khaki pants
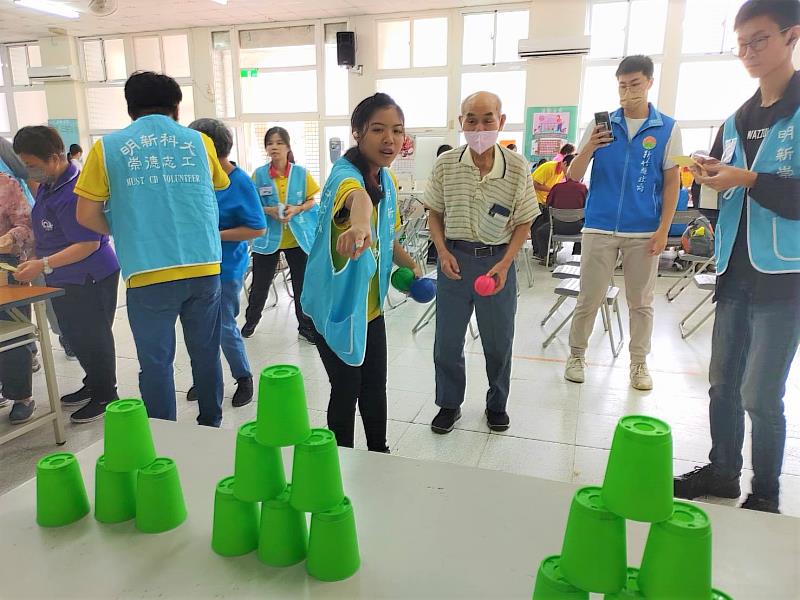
(598,258)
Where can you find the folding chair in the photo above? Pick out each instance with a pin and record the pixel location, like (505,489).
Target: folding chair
(565,215)
(697,265)
(708,283)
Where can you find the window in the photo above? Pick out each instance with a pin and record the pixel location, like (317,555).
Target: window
(296,91)
(412,43)
(176,55)
(21,57)
(31,108)
(423,99)
(600,91)
(708,26)
(222,65)
(337,94)
(491,38)
(104,60)
(724,81)
(148,54)
(186,111)
(509,85)
(304,137)
(277,48)
(5,125)
(107,108)
(93,59)
(698,139)
(628,27)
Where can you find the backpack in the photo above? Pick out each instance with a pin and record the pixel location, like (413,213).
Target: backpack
(698,238)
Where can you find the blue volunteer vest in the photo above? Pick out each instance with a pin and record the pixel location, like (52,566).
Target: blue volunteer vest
(4,168)
(773,242)
(337,300)
(163,211)
(625,193)
(303,225)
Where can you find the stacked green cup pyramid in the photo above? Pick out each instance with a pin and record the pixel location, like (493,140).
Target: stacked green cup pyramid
(637,486)
(131,482)
(281,538)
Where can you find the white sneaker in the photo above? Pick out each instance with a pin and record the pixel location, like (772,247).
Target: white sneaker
(574,370)
(640,377)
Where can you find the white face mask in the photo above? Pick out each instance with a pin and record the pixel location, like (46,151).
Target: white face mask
(481,141)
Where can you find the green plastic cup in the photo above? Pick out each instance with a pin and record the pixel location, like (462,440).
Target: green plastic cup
(638,481)
(60,494)
(552,585)
(631,590)
(114,494)
(282,414)
(283,536)
(259,468)
(128,441)
(333,544)
(235,529)
(159,498)
(593,556)
(718,595)
(316,476)
(402,278)
(677,556)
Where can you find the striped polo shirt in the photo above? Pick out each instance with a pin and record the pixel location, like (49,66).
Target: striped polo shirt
(475,209)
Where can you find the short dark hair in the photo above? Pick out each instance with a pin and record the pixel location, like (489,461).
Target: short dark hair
(39,141)
(568,159)
(149,93)
(443,148)
(637,63)
(566,149)
(74,149)
(785,13)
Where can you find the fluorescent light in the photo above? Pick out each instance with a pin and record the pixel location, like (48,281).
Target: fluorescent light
(224,2)
(53,8)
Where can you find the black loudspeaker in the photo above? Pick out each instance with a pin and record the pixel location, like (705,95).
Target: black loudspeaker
(346,48)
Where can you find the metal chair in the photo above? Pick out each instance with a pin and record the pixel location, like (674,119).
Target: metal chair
(565,215)
(708,283)
(697,265)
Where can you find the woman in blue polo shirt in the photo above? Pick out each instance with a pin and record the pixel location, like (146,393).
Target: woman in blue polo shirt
(76,259)
(240,219)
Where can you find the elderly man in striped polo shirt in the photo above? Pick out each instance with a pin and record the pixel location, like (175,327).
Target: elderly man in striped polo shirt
(482,204)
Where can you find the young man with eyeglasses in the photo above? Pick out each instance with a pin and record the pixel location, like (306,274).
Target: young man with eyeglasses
(633,193)
(755,168)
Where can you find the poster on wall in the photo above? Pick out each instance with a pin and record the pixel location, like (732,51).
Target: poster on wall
(67,129)
(547,128)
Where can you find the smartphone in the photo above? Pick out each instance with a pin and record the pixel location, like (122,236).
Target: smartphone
(603,119)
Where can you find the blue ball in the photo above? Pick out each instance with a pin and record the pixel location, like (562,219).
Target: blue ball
(423,290)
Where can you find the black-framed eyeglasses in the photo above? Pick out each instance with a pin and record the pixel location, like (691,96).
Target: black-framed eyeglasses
(756,45)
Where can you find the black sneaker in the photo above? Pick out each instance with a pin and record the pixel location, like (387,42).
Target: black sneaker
(754,502)
(244,391)
(445,420)
(191,395)
(249,329)
(704,481)
(67,348)
(308,335)
(77,399)
(91,412)
(497,421)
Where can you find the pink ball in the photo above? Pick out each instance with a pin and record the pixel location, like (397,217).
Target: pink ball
(485,285)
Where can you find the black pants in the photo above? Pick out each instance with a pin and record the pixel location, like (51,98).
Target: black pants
(264,266)
(15,365)
(541,234)
(86,314)
(365,385)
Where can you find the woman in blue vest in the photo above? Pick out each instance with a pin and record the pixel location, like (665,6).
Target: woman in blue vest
(349,268)
(287,193)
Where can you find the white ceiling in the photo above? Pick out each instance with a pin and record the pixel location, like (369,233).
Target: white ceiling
(21,24)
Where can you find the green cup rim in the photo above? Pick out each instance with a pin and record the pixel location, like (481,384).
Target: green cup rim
(687,520)
(589,499)
(162,466)
(720,595)
(56,462)
(125,406)
(550,569)
(340,512)
(281,500)
(645,429)
(280,372)
(248,430)
(224,487)
(320,440)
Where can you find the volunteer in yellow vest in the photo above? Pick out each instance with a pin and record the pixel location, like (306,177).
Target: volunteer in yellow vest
(287,194)
(349,268)
(151,185)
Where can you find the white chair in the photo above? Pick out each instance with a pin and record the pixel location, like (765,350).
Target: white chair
(564,215)
(708,283)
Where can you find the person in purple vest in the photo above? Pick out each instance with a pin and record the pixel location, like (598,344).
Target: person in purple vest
(633,193)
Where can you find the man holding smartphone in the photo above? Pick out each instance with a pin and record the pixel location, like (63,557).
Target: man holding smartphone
(481,204)
(633,193)
(756,170)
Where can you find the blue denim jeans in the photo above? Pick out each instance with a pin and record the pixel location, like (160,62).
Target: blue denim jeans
(752,349)
(152,312)
(232,342)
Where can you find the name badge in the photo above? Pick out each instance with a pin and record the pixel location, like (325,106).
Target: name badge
(265,190)
(727,152)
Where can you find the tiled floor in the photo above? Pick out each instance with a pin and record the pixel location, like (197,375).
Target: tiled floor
(559,430)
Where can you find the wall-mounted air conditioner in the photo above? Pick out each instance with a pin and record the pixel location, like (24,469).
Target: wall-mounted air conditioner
(554,46)
(53,73)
